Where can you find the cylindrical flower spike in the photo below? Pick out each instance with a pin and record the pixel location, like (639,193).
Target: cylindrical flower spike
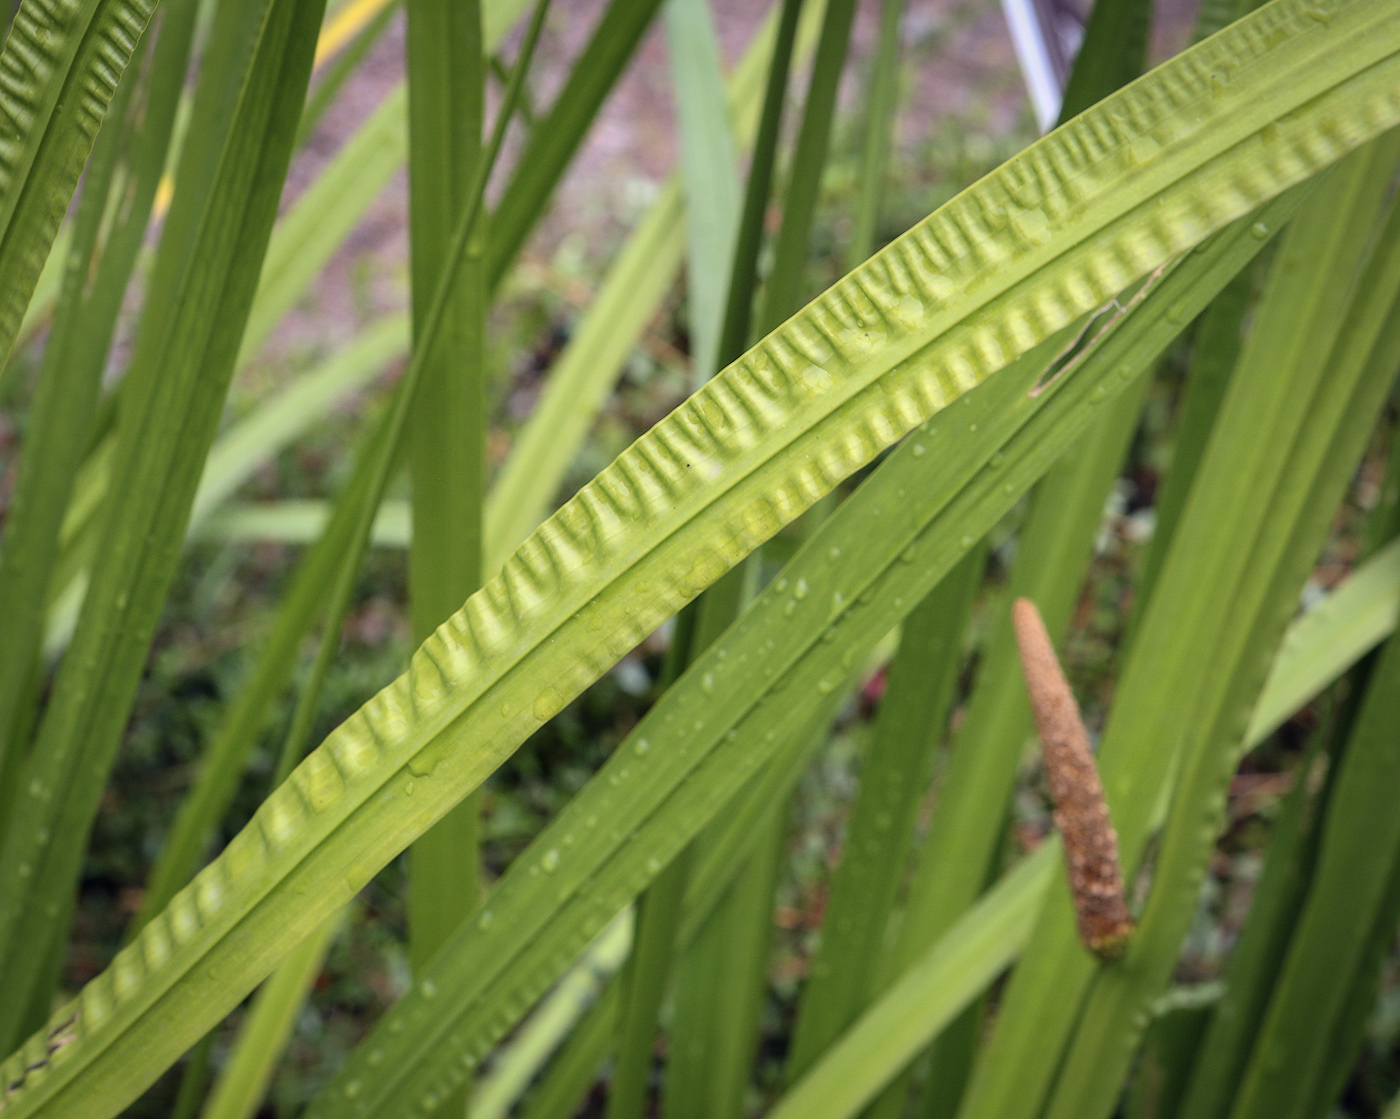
(1090,843)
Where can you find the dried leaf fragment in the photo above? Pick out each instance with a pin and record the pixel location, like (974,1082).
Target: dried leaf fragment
(1090,843)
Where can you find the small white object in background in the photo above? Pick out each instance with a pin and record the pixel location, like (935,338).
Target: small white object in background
(1046,36)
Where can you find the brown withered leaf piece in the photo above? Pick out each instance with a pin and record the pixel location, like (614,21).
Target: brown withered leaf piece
(1090,843)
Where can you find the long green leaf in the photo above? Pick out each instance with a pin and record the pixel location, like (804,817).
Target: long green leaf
(709,171)
(324,215)
(642,987)
(1348,1039)
(1383,522)
(223,762)
(58,434)
(795,19)
(721,979)
(1170,1046)
(446,436)
(782,294)
(730,840)
(46,289)
(346,62)
(1209,1088)
(882,99)
(1113,53)
(1328,981)
(291,411)
(58,71)
(1150,211)
(328,570)
(194,1079)
(298,521)
(1216,350)
(575,1069)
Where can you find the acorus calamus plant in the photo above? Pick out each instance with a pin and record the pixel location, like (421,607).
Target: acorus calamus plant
(992,357)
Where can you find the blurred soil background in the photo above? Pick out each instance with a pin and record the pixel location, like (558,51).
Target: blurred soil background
(963,111)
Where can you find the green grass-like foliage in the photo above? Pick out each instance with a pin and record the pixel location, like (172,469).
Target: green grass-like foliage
(988,341)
